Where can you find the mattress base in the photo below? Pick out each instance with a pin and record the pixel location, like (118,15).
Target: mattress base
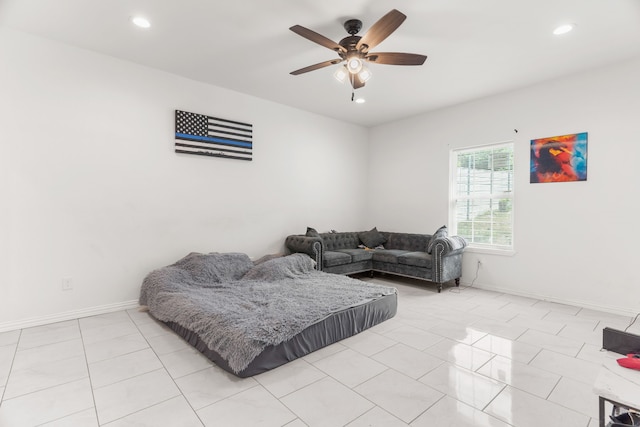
(333,328)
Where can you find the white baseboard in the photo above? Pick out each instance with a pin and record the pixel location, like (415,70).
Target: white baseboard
(68,315)
(608,309)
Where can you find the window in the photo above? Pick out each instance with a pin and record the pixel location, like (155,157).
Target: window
(481,202)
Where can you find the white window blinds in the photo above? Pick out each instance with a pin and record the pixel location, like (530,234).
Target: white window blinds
(482,196)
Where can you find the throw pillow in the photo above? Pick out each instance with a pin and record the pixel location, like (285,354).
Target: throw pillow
(440,232)
(372,238)
(312,232)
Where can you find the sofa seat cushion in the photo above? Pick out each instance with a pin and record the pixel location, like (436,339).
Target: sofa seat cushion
(415,259)
(333,258)
(357,254)
(388,255)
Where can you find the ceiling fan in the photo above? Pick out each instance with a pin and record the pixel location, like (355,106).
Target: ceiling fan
(355,50)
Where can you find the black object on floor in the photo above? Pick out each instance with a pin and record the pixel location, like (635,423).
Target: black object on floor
(620,342)
(624,419)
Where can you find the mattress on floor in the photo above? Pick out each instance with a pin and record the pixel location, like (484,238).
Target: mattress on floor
(334,328)
(250,318)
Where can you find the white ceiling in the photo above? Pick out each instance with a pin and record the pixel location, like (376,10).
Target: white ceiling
(475,48)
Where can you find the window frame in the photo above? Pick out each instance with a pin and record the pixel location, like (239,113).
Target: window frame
(453,197)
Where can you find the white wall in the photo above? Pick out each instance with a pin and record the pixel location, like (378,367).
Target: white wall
(575,242)
(92,189)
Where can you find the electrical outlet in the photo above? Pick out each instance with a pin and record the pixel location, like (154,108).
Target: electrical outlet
(67,284)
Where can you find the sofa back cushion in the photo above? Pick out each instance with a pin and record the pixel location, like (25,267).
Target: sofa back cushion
(345,240)
(406,241)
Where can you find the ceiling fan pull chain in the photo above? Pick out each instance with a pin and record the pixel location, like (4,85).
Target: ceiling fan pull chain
(352,78)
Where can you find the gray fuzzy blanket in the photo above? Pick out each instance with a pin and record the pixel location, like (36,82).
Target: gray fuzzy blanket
(238,309)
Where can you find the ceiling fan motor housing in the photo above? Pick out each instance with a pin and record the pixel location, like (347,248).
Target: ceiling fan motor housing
(349,43)
(353,26)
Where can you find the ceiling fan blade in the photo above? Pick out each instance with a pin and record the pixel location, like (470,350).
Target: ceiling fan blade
(316,66)
(381,30)
(396,58)
(317,38)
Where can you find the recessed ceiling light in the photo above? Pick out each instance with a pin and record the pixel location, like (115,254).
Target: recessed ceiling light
(141,22)
(360,101)
(563,29)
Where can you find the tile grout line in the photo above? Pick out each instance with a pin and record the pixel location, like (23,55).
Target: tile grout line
(444,396)
(93,396)
(63,417)
(13,359)
(166,370)
(504,387)
(144,409)
(553,388)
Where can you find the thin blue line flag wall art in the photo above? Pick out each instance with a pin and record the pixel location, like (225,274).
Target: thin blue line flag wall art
(211,136)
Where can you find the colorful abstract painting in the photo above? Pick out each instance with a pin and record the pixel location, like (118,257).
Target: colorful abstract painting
(559,158)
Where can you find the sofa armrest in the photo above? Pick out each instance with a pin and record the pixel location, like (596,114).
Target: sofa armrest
(311,246)
(451,245)
(447,258)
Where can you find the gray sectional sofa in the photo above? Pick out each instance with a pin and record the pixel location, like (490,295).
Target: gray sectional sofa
(436,258)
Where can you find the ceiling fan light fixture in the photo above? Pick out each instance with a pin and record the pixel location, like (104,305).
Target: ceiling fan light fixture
(341,74)
(364,74)
(354,64)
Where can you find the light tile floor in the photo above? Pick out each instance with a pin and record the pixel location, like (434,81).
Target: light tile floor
(465,357)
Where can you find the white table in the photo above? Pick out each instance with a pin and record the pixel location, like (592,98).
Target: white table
(617,385)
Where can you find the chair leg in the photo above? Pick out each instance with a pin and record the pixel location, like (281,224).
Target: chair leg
(458,281)
(439,287)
